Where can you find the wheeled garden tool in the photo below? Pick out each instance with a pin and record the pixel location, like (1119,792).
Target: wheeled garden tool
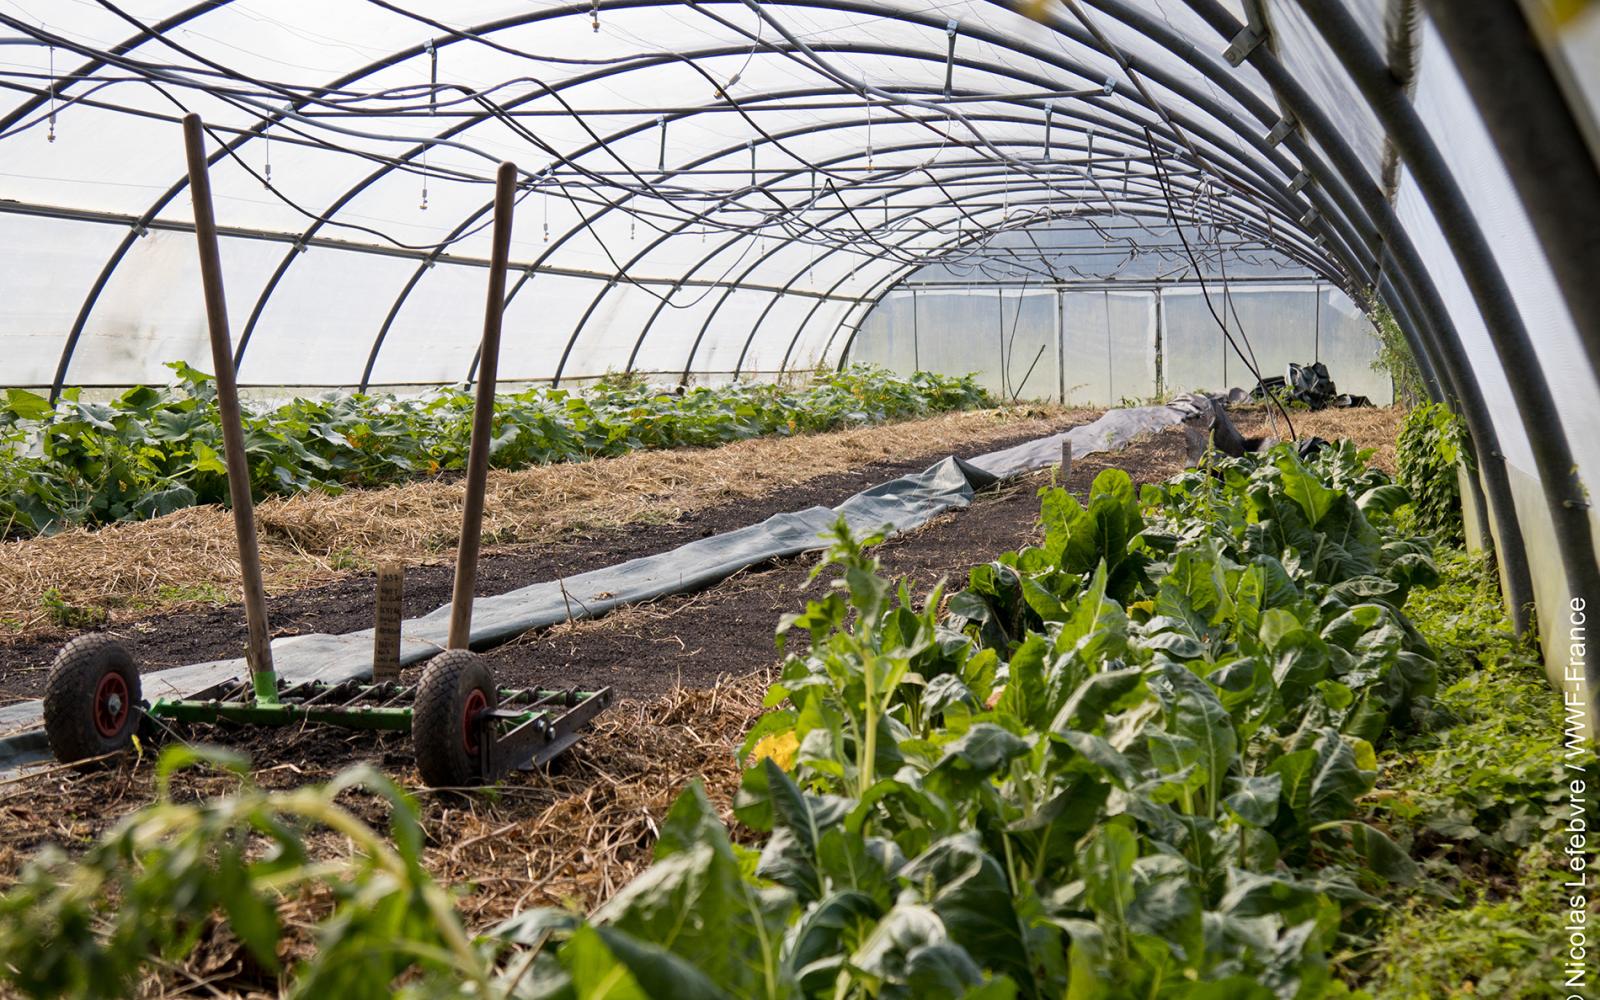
(466,729)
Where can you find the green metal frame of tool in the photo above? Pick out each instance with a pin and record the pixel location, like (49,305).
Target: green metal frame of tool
(466,729)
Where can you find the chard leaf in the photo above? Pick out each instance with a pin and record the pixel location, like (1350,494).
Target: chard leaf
(831,928)
(798,820)
(607,964)
(695,903)
(1254,799)
(1321,784)
(1087,705)
(1196,717)
(969,891)
(1107,868)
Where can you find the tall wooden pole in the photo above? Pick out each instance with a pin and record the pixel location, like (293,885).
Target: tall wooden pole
(259,652)
(505,186)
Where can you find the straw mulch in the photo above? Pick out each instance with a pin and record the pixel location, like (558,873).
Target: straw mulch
(567,838)
(1369,427)
(188,557)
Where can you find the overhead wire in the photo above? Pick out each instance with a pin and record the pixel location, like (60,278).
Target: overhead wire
(319,118)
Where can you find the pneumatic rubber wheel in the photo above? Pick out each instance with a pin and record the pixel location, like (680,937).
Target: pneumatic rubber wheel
(456,688)
(91,700)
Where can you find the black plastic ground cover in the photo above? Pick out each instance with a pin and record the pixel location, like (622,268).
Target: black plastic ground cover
(896,506)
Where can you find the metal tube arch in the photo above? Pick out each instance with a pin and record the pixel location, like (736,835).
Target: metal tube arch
(1565,499)
(736,148)
(911,213)
(595,303)
(1431,330)
(1540,141)
(529,18)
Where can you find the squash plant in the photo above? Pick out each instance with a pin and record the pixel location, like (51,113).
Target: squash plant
(151,451)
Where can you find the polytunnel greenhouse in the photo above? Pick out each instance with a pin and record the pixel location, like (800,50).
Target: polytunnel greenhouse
(798,498)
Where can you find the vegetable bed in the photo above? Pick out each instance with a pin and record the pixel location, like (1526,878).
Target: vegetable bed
(1135,760)
(152,451)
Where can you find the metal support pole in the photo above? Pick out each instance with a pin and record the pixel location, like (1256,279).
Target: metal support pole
(1433,324)
(1565,500)
(505,185)
(258,653)
(1527,117)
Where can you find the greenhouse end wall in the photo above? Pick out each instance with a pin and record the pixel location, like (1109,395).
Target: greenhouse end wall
(1102,346)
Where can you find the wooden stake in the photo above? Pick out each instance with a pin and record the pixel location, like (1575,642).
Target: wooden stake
(259,651)
(505,186)
(386,622)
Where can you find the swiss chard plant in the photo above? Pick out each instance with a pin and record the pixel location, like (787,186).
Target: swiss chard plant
(1125,763)
(1133,761)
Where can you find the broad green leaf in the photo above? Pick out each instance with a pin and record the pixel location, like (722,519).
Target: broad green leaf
(790,856)
(1087,705)
(1254,799)
(694,902)
(1314,499)
(968,889)
(981,751)
(606,964)
(1321,784)
(27,405)
(1025,697)
(1196,715)
(829,930)
(1107,872)
(1380,855)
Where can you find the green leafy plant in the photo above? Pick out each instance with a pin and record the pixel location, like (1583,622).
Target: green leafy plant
(1136,760)
(1127,764)
(1427,454)
(1394,358)
(152,451)
(68,615)
(150,887)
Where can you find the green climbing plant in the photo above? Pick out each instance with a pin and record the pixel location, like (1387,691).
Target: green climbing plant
(1430,447)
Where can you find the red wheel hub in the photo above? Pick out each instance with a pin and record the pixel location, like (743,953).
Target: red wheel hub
(477,703)
(112,703)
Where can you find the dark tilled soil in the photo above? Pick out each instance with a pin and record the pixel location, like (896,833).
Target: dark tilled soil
(694,639)
(178,638)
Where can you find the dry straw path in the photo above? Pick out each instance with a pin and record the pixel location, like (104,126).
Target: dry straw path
(131,570)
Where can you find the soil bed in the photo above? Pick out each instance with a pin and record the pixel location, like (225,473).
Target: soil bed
(215,632)
(690,670)
(693,639)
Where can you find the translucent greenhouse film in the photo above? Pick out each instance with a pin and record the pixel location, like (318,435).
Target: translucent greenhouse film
(735,189)
(1103,316)
(1160,436)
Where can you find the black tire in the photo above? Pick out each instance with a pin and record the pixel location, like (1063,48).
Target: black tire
(456,686)
(92,699)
